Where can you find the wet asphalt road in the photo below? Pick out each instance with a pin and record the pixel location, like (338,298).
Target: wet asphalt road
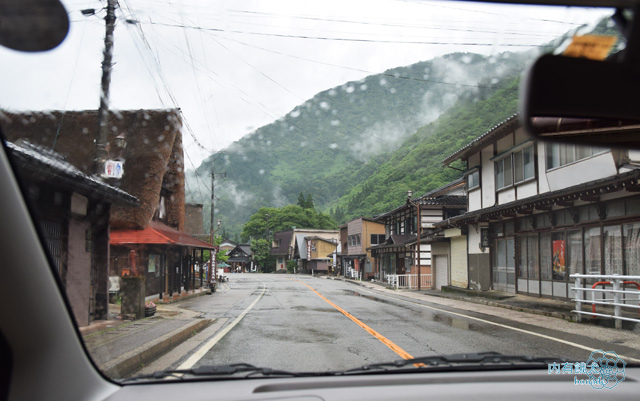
(291,327)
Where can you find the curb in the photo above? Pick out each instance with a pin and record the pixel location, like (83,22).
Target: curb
(173,301)
(477,300)
(131,361)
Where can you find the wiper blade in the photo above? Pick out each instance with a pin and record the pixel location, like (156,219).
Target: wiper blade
(213,371)
(476,360)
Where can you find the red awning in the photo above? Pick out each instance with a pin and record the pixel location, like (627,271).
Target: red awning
(156,233)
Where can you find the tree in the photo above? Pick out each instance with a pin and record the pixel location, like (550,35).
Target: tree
(261,249)
(301,201)
(291,266)
(309,203)
(221,255)
(283,219)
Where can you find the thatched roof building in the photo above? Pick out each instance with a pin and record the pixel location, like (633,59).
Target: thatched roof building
(149,142)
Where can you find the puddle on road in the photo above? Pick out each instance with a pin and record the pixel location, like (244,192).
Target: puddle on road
(442,318)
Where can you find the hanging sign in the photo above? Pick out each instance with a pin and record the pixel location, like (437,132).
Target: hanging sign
(113,169)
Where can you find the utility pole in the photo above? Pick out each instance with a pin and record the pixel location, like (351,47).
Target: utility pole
(103,111)
(211,230)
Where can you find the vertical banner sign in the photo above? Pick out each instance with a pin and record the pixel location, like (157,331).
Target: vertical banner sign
(559,257)
(308,249)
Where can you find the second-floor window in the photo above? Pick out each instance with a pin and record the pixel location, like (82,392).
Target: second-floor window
(377,239)
(354,240)
(560,154)
(473,179)
(516,167)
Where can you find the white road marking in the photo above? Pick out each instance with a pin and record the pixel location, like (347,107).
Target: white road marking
(559,340)
(193,359)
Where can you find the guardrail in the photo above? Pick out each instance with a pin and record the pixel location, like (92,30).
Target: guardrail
(617,296)
(409,281)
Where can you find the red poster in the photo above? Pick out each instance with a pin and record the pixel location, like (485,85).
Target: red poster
(559,266)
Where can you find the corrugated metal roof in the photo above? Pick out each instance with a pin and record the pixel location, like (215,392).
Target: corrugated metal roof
(479,141)
(156,233)
(302,245)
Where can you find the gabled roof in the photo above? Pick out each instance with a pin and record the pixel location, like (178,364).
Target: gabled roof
(483,140)
(315,237)
(156,233)
(301,245)
(47,165)
(448,201)
(240,249)
(284,238)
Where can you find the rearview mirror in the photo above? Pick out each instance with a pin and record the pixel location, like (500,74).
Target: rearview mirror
(582,101)
(32,25)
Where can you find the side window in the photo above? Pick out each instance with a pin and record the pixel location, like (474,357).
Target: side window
(504,174)
(473,179)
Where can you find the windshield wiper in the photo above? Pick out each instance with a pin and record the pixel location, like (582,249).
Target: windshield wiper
(475,361)
(472,361)
(213,371)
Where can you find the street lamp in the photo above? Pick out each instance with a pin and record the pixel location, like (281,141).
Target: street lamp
(416,203)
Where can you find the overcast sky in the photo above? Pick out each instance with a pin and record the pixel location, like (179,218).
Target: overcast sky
(233,66)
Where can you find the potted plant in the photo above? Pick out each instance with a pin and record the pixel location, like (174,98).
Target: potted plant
(149,309)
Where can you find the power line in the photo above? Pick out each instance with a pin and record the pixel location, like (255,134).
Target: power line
(357,40)
(388,75)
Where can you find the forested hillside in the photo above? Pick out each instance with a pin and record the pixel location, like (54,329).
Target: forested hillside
(417,165)
(346,142)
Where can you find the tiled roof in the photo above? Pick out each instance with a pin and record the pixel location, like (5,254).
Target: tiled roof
(447,200)
(480,141)
(156,233)
(629,180)
(52,165)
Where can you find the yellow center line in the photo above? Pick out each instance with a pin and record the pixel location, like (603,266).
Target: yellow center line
(404,354)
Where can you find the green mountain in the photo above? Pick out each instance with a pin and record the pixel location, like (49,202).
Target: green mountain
(417,165)
(349,140)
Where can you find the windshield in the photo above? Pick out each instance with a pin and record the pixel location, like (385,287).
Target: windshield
(318,186)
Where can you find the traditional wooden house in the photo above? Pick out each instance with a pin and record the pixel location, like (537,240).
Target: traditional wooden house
(146,145)
(362,233)
(73,210)
(312,249)
(282,248)
(398,255)
(240,259)
(538,212)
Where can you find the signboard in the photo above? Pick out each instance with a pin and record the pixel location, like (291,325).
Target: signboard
(308,250)
(484,238)
(113,169)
